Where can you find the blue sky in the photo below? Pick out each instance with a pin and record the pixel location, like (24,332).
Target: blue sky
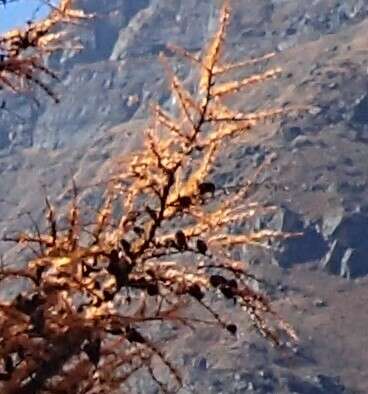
(15,14)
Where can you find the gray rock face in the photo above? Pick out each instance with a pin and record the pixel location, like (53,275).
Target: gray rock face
(307,247)
(290,133)
(360,114)
(121,45)
(4,138)
(301,141)
(352,230)
(264,381)
(354,263)
(348,253)
(332,260)
(119,62)
(317,385)
(180,24)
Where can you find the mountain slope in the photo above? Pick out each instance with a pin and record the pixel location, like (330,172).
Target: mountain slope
(319,173)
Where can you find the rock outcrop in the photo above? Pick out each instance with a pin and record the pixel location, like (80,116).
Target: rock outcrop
(348,253)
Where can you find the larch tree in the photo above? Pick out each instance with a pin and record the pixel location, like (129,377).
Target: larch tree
(157,250)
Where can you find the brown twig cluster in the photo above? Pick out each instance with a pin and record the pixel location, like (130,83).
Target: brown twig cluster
(158,250)
(23,51)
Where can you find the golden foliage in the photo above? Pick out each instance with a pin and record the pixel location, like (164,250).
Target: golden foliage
(23,51)
(83,324)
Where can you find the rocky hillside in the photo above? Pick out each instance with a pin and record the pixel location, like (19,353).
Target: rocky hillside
(319,176)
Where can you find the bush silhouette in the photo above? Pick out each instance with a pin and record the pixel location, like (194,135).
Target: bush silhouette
(81,324)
